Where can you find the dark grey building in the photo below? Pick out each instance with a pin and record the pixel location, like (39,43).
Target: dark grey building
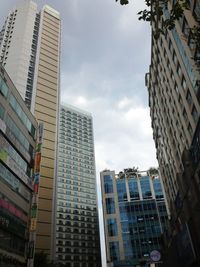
(174,98)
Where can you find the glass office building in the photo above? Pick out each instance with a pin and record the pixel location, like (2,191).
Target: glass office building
(135,216)
(17,144)
(77,241)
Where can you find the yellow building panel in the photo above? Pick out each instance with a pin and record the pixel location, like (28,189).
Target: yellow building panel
(49,60)
(50,23)
(46,192)
(46,102)
(43,228)
(52,32)
(49,144)
(47,77)
(46,181)
(49,136)
(43,243)
(49,52)
(49,55)
(50,127)
(47,162)
(49,42)
(51,19)
(49,152)
(51,26)
(45,205)
(44,216)
(48,70)
(51,99)
(48,67)
(50,90)
(45,109)
(46,34)
(44,117)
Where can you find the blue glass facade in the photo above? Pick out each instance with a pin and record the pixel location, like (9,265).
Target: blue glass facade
(108,184)
(110,205)
(114,251)
(121,190)
(141,232)
(133,189)
(145,187)
(141,213)
(112,227)
(158,189)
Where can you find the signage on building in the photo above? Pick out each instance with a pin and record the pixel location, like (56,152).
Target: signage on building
(4,145)
(4,222)
(33,211)
(40,132)
(33,224)
(14,140)
(14,182)
(30,253)
(36,181)
(14,167)
(155,256)
(11,223)
(10,208)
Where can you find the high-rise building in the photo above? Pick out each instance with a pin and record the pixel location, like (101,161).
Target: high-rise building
(30,52)
(135,216)
(17,144)
(77,241)
(174,98)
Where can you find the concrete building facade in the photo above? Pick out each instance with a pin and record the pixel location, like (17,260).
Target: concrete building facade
(17,144)
(135,216)
(174,98)
(77,240)
(30,52)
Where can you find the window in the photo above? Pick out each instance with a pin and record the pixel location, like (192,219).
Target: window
(174,58)
(190,129)
(112,227)
(185,115)
(3,88)
(108,184)
(110,206)
(121,190)
(179,70)
(114,250)
(189,98)
(133,189)
(145,187)
(1,112)
(195,114)
(158,189)
(185,28)
(183,83)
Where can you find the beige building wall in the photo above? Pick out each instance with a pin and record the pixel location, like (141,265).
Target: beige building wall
(46,111)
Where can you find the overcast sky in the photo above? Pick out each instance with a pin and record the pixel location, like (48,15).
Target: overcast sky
(105,55)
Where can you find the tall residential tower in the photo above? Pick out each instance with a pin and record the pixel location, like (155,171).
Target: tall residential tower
(77,229)
(174,99)
(30,52)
